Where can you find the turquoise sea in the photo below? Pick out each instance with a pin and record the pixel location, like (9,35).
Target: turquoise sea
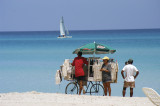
(29,60)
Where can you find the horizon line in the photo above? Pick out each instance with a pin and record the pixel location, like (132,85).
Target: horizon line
(83,30)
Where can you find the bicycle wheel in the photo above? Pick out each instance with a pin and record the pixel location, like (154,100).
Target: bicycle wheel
(71,88)
(97,90)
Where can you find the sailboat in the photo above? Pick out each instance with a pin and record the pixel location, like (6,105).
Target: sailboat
(63,30)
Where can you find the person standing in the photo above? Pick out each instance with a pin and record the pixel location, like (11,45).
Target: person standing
(106,75)
(129,79)
(79,62)
(126,62)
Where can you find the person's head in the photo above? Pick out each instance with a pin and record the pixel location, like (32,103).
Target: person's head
(126,62)
(79,53)
(130,61)
(105,59)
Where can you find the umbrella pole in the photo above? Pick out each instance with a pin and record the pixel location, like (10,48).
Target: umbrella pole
(94,49)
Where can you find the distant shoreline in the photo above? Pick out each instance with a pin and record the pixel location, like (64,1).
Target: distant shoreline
(91,30)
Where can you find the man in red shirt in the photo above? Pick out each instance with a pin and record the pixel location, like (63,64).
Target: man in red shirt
(79,62)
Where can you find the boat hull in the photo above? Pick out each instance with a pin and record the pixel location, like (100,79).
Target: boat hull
(62,37)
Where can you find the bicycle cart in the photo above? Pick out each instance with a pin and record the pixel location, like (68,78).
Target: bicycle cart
(93,77)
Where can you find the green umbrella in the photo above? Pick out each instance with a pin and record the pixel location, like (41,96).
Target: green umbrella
(95,48)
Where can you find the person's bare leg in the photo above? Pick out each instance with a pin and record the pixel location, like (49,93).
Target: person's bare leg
(131,92)
(109,88)
(80,86)
(84,90)
(105,89)
(84,83)
(124,91)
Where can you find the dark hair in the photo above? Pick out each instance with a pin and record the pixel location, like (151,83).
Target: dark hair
(130,61)
(79,53)
(126,62)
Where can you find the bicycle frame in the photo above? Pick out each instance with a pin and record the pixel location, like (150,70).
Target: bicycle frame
(87,87)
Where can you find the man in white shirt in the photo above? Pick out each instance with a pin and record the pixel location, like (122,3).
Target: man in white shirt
(129,78)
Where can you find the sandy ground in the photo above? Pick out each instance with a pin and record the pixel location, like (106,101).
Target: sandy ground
(53,99)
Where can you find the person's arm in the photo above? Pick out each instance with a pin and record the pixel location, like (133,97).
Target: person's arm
(137,72)
(106,70)
(122,74)
(102,69)
(85,61)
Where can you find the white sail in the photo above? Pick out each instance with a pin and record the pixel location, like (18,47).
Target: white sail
(62,27)
(67,31)
(63,30)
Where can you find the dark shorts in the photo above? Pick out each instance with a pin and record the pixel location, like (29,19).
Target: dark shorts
(80,78)
(83,79)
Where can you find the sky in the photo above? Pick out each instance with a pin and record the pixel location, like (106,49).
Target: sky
(44,15)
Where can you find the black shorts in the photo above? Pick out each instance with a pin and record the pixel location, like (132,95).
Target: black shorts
(80,78)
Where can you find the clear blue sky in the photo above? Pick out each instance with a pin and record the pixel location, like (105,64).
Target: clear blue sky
(44,15)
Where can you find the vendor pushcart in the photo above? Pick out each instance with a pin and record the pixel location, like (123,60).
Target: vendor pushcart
(93,75)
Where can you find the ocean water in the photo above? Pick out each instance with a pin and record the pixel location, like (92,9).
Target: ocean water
(29,60)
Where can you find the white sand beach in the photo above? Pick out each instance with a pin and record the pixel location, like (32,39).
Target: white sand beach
(53,99)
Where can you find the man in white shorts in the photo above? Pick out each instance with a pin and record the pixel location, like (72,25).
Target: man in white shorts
(129,79)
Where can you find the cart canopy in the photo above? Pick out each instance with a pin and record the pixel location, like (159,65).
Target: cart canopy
(95,48)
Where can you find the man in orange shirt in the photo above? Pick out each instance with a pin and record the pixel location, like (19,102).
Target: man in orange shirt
(79,62)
